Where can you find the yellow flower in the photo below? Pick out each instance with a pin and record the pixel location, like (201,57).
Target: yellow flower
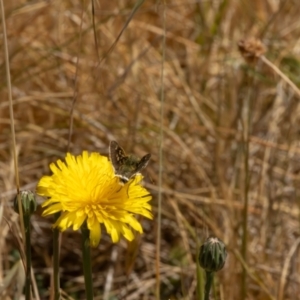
(85,188)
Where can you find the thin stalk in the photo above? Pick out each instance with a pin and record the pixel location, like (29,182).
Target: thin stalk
(199,270)
(208,284)
(11,116)
(298,202)
(28,256)
(199,289)
(136,7)
(56,248)
(246,118)
(214,290)
(160,172)
(245,214)
(281,74)
(86,260)
(75,94)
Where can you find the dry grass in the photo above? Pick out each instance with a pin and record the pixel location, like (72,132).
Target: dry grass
(207,87)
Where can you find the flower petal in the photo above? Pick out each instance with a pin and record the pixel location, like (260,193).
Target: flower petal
(95,234)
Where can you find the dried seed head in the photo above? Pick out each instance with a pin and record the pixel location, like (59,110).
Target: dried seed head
(251,49)
(212,255)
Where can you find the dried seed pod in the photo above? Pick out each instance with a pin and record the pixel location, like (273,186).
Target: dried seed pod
(251,49)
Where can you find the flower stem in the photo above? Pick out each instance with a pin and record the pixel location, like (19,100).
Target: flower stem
(208,283)
(200,280)
(56,246)
(87,268)
(28,256)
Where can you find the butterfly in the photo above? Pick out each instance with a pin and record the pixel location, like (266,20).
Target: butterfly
(126,167)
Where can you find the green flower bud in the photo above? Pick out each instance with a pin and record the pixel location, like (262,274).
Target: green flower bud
(212,255)
(28,202)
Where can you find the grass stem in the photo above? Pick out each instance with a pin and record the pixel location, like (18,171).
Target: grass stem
(56,248)
(28,256)
(86,260)
(160,172)
(200,275)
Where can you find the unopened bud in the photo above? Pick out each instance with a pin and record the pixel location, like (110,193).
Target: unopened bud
(28,202)
(212,255)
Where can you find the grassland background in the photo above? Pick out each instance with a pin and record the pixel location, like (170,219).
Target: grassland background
(209,92)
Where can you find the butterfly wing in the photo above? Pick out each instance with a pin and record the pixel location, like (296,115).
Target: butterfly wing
(117,155)
(125,167)
(142,163)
